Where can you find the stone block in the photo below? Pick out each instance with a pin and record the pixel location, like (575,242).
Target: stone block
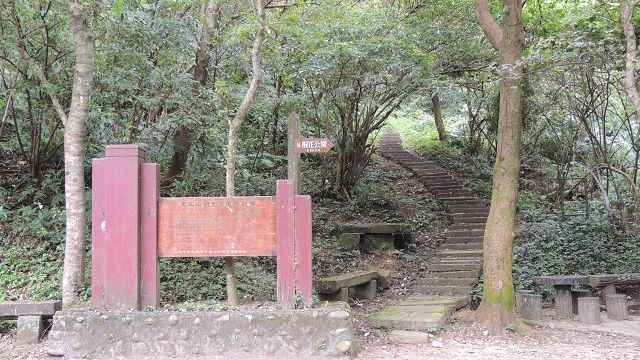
(617,307)
(589,310)
(18,308)
(366,290)
(349,241)
(519,299)
(531,308)
(29,329)
(264,333)
(409,337)
(340,295)
(575,295)
(373,243)
(384,278)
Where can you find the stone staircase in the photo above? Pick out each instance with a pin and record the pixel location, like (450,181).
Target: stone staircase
(457,265)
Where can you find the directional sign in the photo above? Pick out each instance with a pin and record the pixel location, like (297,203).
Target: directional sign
(313,145)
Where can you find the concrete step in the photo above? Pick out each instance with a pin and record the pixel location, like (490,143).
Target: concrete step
(433,280)
(445,187)
(473,202)
(477,245)
(455,274)
(434,176)
(466,227)
(443,290)
(456,198)
(465,240)
(460,211)
(470,220)
(466,207)
(453,267)
(464,233)
(460,254)
(448,193)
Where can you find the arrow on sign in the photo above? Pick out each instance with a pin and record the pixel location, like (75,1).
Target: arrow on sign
(313,145)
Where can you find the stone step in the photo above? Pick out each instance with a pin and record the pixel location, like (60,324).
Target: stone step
(476,245)
(465,240)
(434,183)
(429,177)
(445,187)
(461,211)
(461,281)
(466,227)
(470,220)
(460,191)
(456,274)
(443,290)
(464,233)
(419,312)
(435,267)
(457,261)
(473,202)
(456,198)
(456,208)
(460,254)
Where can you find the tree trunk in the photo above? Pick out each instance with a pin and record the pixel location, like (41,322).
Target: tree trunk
(437,116)
(74,144)
(234,127)
(496,310)
(182,138)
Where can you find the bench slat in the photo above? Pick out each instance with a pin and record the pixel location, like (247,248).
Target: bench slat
(335,283)
(21,308)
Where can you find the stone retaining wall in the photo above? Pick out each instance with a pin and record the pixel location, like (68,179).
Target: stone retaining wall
(305,333)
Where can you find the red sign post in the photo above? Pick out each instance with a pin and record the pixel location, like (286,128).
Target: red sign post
(133,227)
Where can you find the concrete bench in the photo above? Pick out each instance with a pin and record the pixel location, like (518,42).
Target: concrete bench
(31,316)
(607,282)
(562,288)
(374,237)
(362,284)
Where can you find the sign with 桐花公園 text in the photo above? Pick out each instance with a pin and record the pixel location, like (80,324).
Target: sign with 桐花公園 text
(313,145)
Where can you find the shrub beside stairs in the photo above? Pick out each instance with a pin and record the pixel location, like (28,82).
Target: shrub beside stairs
(456,267)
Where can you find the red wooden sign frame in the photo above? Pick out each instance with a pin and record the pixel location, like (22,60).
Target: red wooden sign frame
(132,227)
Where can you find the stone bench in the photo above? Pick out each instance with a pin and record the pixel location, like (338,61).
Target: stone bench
(362,284)
(30,315)
(607,282)
(374,237)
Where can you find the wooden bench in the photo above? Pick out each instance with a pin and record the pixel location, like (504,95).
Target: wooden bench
(31,316)
(362,284)
(374,237)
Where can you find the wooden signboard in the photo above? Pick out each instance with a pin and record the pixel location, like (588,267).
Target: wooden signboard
(209,226)
(313,145)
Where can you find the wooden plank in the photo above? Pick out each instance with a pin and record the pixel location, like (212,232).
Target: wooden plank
(149,267)
(285,230)
(216,226)
(10,309)
(303,247)
(98,240)
(602,280)
(122,214)
(335,283)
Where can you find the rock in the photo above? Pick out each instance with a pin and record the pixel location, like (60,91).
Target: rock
(437,344)
(339,314)
(408,337)
(343,346)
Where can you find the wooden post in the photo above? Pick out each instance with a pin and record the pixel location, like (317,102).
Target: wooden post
(303,248)
(285,237)
(617,307)
(293,125)
(589,310)
(149,267)
(122,226)
(98,238)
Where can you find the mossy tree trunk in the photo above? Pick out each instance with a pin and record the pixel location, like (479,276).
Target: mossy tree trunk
(496,310)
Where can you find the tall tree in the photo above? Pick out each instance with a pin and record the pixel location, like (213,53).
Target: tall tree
(437,116)
(234,127)
(497,307)
(74,147)
(182,138)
